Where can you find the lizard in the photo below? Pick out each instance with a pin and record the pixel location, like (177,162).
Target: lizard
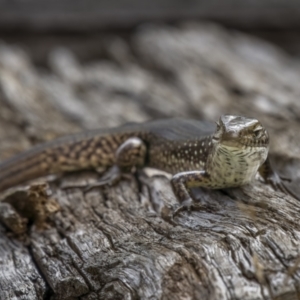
(224,154)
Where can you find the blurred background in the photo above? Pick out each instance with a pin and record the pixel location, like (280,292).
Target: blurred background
(68,65)
(42,24)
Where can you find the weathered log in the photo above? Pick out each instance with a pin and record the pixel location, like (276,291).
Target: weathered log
(119,242)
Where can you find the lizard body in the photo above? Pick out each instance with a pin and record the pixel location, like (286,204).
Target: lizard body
(197,153)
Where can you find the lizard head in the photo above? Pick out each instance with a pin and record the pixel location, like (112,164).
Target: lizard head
(239,147)
(237,131)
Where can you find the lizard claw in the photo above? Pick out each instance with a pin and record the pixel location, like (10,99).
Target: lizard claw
(186,205)
(276,182)
(283,178)
(112,176)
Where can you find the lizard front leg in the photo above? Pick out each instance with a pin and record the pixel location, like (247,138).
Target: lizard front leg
(130,154)
(183,182)
(267,172)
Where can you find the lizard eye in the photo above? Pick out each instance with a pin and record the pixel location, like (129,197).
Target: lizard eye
(258,132)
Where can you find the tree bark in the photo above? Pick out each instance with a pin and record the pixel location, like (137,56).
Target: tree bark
(59,241)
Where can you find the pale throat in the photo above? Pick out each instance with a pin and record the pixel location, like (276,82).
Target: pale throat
(235,166)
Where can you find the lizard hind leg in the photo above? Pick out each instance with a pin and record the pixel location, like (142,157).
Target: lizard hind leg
(131,154)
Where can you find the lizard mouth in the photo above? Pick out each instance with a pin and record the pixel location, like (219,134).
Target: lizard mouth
(241,142)
(245,143)
(247,139)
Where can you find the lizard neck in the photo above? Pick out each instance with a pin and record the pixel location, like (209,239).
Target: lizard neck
(234,166)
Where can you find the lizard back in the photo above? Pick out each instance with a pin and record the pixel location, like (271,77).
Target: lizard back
(169,143)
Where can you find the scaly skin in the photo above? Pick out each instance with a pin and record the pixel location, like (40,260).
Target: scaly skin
(195,152)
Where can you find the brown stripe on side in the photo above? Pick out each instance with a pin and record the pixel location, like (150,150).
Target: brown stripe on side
(53,158)
(19,171)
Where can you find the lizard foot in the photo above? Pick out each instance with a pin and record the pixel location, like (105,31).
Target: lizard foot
(276,182)
(186,205)
(111,177)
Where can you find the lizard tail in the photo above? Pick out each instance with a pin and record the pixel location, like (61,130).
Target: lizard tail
(20,169)
(62,155)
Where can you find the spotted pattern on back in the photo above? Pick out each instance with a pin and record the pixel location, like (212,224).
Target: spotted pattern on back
(174,157)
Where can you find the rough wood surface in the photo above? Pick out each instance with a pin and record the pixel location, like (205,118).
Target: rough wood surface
(59,242)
